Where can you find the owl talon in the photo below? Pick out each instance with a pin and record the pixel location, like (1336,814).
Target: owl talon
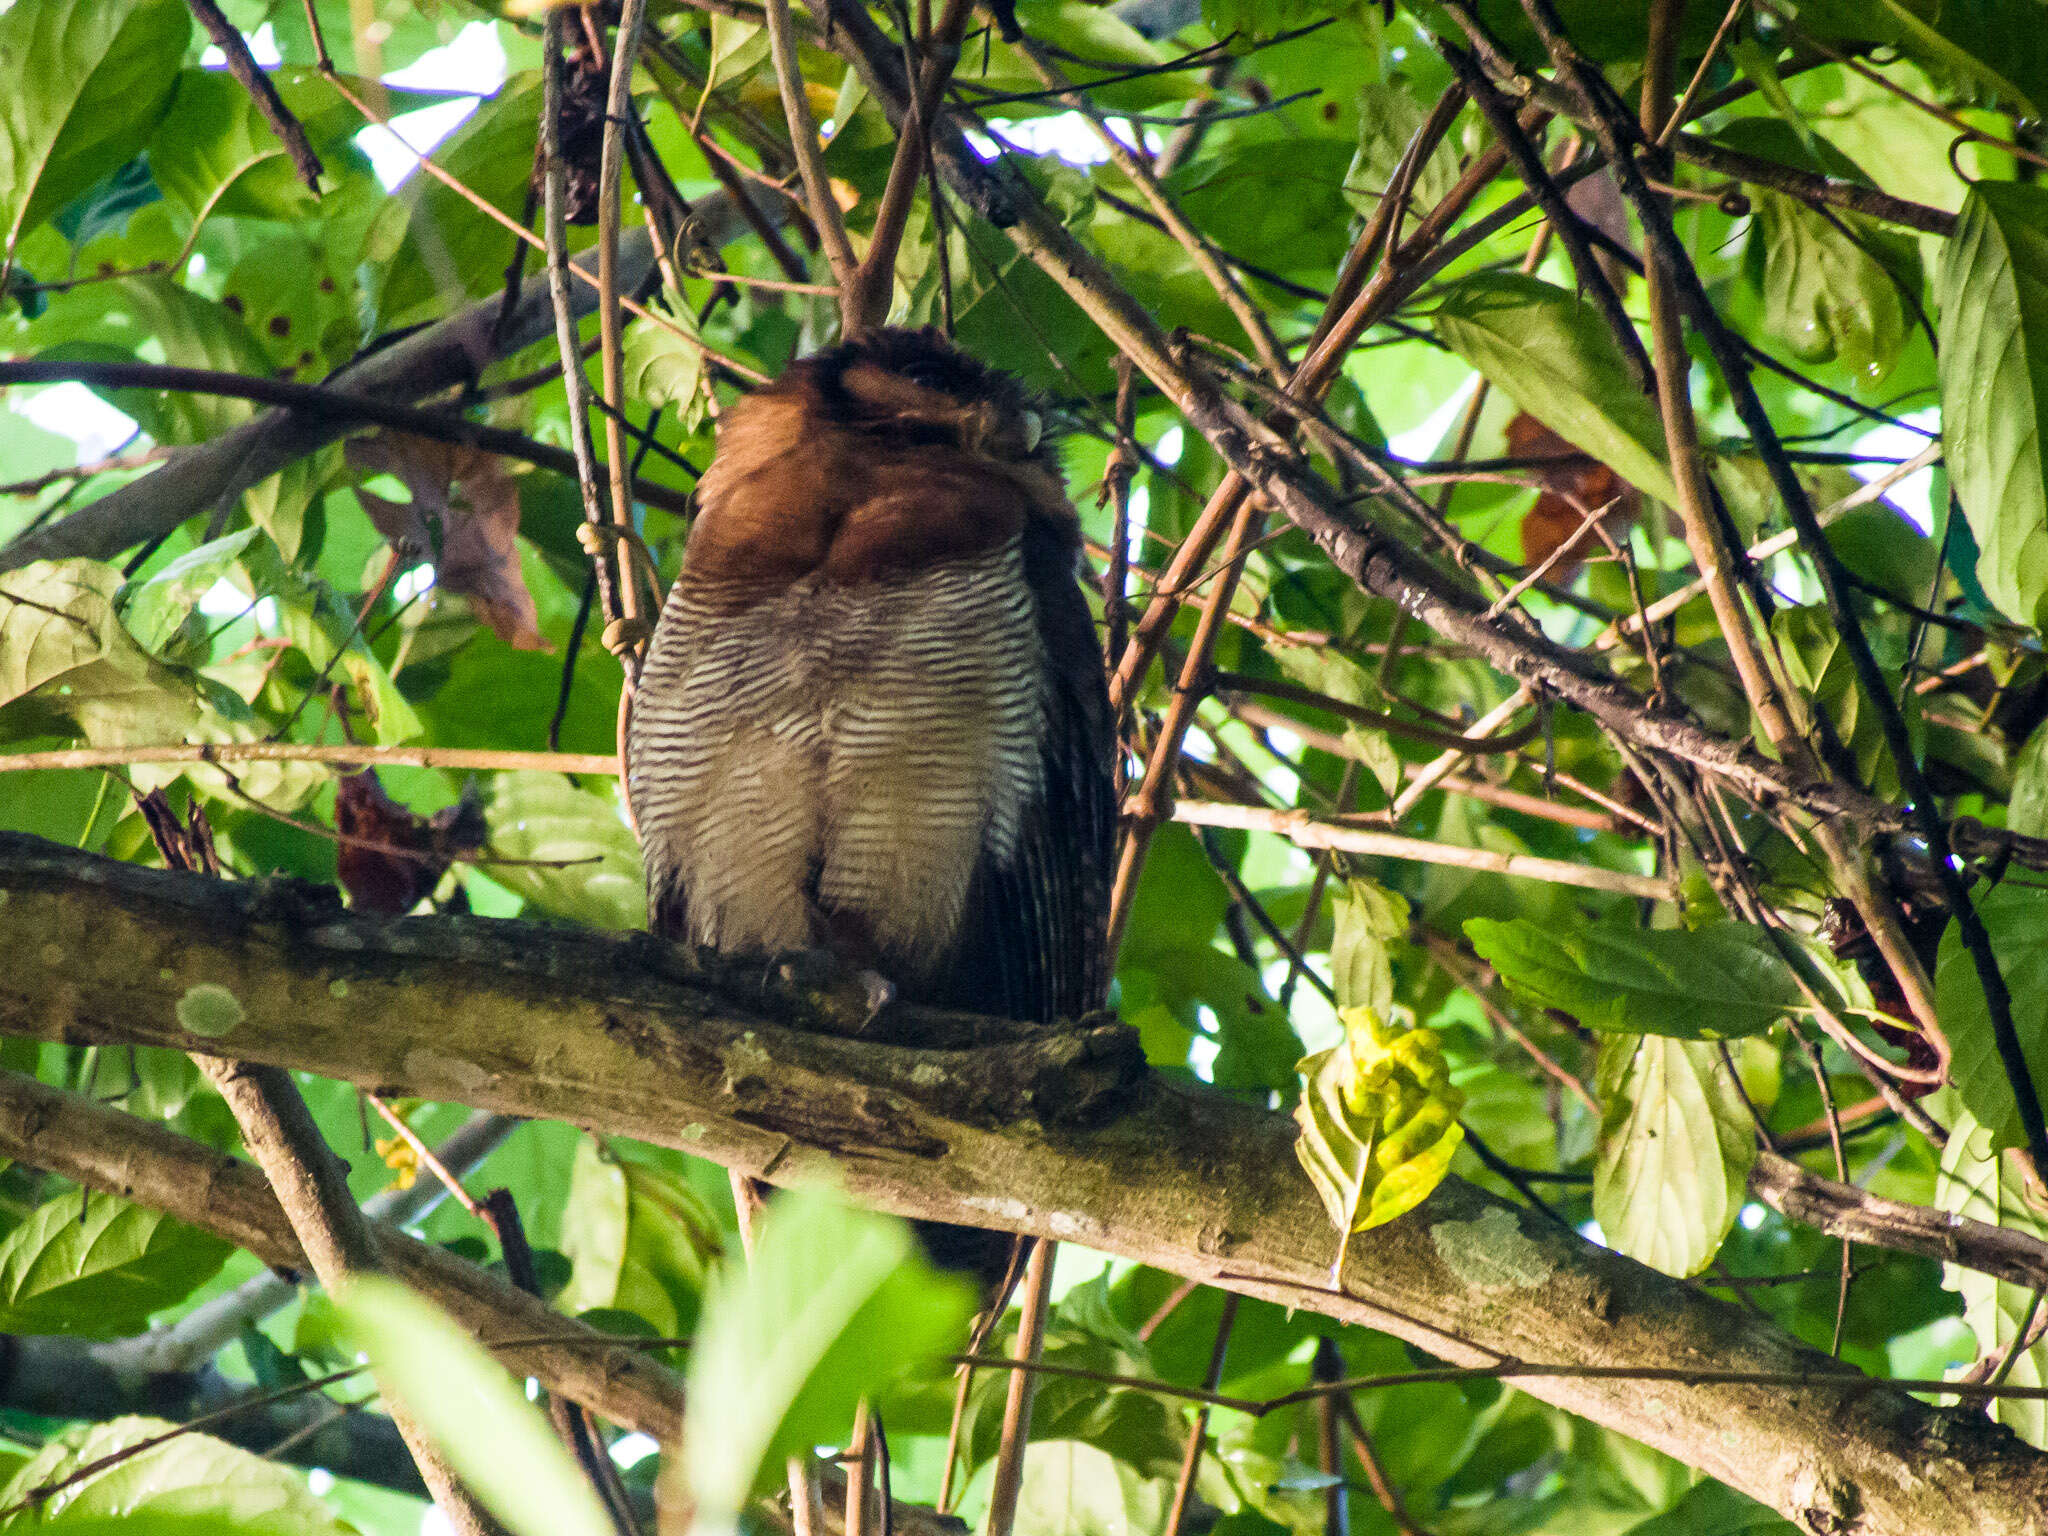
(842,998)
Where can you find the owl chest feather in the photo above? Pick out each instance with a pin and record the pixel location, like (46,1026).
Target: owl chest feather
(835,759)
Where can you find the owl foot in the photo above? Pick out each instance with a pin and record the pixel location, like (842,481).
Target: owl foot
(840,998)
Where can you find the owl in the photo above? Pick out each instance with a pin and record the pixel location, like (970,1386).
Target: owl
(873,719)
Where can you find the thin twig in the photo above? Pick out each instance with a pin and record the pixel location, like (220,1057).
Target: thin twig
(1035,1303)
(243,66)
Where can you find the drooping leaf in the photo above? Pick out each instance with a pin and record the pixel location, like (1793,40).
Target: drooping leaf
(463,517)
(192,1485)
(663,368)
(98,1266)
(391,858)
(1827,298)
(1370,920)
(1991,288)
(1676,1145)
(641,1240)
(86,84)
(1551,353)
(1573,492)
(2015,915)
(834,1304)
(1379,1121)
(1978,1182)
(495,1439)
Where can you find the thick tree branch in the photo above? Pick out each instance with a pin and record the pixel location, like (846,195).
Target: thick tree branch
(623,1034)
(1843,1210)
(103,1147)
(312,1186)
(107,1149)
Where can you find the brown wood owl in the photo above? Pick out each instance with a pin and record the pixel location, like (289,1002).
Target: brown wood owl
(873,717)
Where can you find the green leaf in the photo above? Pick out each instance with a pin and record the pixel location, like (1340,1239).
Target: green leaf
(191,1485)
(2015,915)
(320,626)
(1826,297)
(1388,118)
(215,153)
(1551,353)
(1370,920)
(61,640)
(85,86)
(1992,290)
(663,368)
(156,609)
(834,1304)
(1676,1145)
(498,1442)
(179,327)
(1139,1429)
(1937,47)
(590,864)
(1074,1489)
(1290,210)
(1713,984)
(1715,1509)
(1977,1182)
(451,249)
(738,48)
(2027,812)
(641,1240)
(100,1271)
(1761,70)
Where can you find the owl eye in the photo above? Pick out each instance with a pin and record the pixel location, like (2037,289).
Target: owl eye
(926,375)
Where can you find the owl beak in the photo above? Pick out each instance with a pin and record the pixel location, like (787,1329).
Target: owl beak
(1032,428)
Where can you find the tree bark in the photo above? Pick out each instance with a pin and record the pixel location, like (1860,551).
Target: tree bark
(1038,1131)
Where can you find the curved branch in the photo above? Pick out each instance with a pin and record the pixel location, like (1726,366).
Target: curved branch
(1037,1131)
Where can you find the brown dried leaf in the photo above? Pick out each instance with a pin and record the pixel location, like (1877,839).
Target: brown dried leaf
(390,858)
(475,502)
(1573,487)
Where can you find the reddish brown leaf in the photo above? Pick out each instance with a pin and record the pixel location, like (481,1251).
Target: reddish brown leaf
(1574,486)
(391,858)
(475,504)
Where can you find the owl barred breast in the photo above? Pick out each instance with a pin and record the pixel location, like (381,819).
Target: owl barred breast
(873,717)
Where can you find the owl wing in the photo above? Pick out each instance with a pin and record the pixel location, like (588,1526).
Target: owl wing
(1033,940)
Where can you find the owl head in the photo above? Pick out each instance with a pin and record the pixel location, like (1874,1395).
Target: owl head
(914,387)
